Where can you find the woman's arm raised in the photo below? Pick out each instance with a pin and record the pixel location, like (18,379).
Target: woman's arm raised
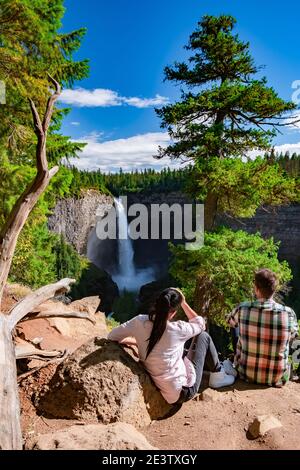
(190,313)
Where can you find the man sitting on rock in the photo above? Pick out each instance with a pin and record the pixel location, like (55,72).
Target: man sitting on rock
(265,330)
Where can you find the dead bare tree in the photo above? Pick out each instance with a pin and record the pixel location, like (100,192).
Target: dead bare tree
(24,205)
(10,429)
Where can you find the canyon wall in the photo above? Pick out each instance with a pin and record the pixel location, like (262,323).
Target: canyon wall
(76,217)
(281,223)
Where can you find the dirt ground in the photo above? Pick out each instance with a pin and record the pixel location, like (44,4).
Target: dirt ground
(218,422)
(222,423)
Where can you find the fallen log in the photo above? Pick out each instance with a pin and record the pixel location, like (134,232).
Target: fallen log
(26,351)
(10,429)
(35,369)
(31,301)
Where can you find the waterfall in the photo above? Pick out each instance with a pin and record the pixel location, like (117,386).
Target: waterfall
(127,276)
(125,249)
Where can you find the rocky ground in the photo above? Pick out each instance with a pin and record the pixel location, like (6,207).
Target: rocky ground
(219,420)
(215,420)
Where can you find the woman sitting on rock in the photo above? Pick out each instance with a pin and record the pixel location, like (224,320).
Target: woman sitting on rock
(160,344)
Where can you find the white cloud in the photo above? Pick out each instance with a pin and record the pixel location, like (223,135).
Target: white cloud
(90,98)
(291,148)
(146,102)
(129,154)
(288,148)
(101,97)
(137,152)
(75,123)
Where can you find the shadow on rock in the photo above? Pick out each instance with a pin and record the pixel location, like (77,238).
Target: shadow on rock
(103,382)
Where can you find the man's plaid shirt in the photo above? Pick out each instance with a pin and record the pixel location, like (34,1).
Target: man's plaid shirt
(265,329)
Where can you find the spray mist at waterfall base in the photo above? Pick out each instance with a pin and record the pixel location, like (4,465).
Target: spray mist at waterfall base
(125,274)
(135,280)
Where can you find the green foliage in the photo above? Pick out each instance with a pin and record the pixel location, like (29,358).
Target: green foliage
(225,111)
(41,257)
(112,323)
(68,262)
(15,178)
(31,48)
(291,163)
(242,186)
(124,306)
(228,261)
(34,260)
(147,181)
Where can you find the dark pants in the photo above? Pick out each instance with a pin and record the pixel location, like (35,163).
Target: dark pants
(204,356)
(235,332)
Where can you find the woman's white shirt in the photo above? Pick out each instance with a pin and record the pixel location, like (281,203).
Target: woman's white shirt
(165,364)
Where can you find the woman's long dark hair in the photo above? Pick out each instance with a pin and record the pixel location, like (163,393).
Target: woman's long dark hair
(167,301)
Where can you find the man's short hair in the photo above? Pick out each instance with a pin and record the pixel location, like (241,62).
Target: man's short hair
(266,282)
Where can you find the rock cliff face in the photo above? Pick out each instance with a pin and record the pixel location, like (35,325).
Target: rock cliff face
(152,252)
(282,223)
(75,218)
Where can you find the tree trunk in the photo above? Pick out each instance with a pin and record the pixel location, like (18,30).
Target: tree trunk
(26,202)
(210,211)
(11,230)
(33,300)
(10,428)
(211,202)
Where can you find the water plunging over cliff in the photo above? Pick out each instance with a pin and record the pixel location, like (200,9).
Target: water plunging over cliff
(126,270)
(127,276)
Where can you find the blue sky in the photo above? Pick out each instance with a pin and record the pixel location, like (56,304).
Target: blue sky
(130,42)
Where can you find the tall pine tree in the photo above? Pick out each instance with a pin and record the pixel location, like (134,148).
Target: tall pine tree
(225,111)
(32,47)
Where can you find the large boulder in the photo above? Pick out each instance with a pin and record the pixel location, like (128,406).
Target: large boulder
(103,382)
(117,436)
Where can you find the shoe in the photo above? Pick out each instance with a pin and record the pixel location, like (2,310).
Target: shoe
(220,379)
(229,369)
(172,411)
